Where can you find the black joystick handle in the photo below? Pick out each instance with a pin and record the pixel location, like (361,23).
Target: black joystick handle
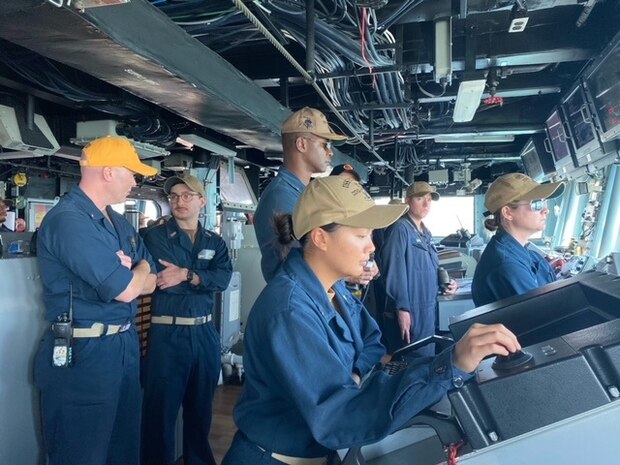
(513,361)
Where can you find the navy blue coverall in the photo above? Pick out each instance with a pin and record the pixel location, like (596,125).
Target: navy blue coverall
(183,362)
(90,410)
(506,268)
(409,263)
(280,196)
(299,398)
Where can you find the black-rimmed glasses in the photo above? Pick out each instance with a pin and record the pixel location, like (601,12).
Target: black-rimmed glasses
(186,196)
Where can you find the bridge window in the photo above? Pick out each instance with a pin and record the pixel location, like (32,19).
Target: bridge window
(449,214)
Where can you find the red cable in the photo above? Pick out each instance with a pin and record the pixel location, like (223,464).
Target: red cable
(453,450)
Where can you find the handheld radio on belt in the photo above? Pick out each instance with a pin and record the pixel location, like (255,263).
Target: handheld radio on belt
(63,332)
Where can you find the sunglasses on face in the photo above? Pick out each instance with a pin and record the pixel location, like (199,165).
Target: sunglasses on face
(536,205)
(327,145)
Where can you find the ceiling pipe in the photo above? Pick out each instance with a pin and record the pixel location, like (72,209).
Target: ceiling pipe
(310,36)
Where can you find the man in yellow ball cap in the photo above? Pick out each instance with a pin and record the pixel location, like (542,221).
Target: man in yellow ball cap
(93,266)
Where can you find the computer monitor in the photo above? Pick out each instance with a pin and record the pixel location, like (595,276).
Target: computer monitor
(550,311)
(580,122)
(603,86)
(537,161)
(558,143)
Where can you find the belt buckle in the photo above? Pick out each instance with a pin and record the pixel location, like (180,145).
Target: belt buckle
(124,327)
(200,320)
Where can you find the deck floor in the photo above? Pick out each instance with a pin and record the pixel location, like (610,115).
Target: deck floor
(222,426)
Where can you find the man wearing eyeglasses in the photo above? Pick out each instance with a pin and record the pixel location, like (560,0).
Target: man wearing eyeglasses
(182,364)
(517,209)
(306,144)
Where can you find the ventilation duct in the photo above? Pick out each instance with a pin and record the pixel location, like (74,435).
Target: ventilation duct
(136,47)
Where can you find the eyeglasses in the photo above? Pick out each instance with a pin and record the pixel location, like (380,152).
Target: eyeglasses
(186,196)
(327,145)
(535,205)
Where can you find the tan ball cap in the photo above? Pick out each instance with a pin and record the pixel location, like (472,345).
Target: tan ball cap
(336,199)
(312,121)
(192,182)
(420,188)
(516,187)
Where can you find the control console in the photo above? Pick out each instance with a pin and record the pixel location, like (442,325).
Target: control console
(545,383)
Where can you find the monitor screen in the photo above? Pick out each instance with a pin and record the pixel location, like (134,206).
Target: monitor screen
(558,145)
(579,120)
(236,195)
(537,161)
(531,165)
(557,137)
(604,86)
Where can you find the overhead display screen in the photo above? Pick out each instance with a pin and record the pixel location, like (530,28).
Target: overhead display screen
(604,86)
(537,161)
(557,137)
(579,119)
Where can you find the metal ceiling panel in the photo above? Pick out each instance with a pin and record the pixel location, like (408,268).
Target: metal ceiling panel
(136,47)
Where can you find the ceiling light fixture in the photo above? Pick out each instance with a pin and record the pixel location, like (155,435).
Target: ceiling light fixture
(474,138)
(443,52)
(19,154)
(83,4)
(468,100)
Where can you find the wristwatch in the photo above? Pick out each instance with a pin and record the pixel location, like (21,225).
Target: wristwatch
(190,276)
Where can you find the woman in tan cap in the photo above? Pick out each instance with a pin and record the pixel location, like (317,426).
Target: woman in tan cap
(517,209)
(410,264)
(309,342)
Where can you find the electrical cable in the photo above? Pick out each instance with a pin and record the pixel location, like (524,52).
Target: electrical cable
(239,4)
